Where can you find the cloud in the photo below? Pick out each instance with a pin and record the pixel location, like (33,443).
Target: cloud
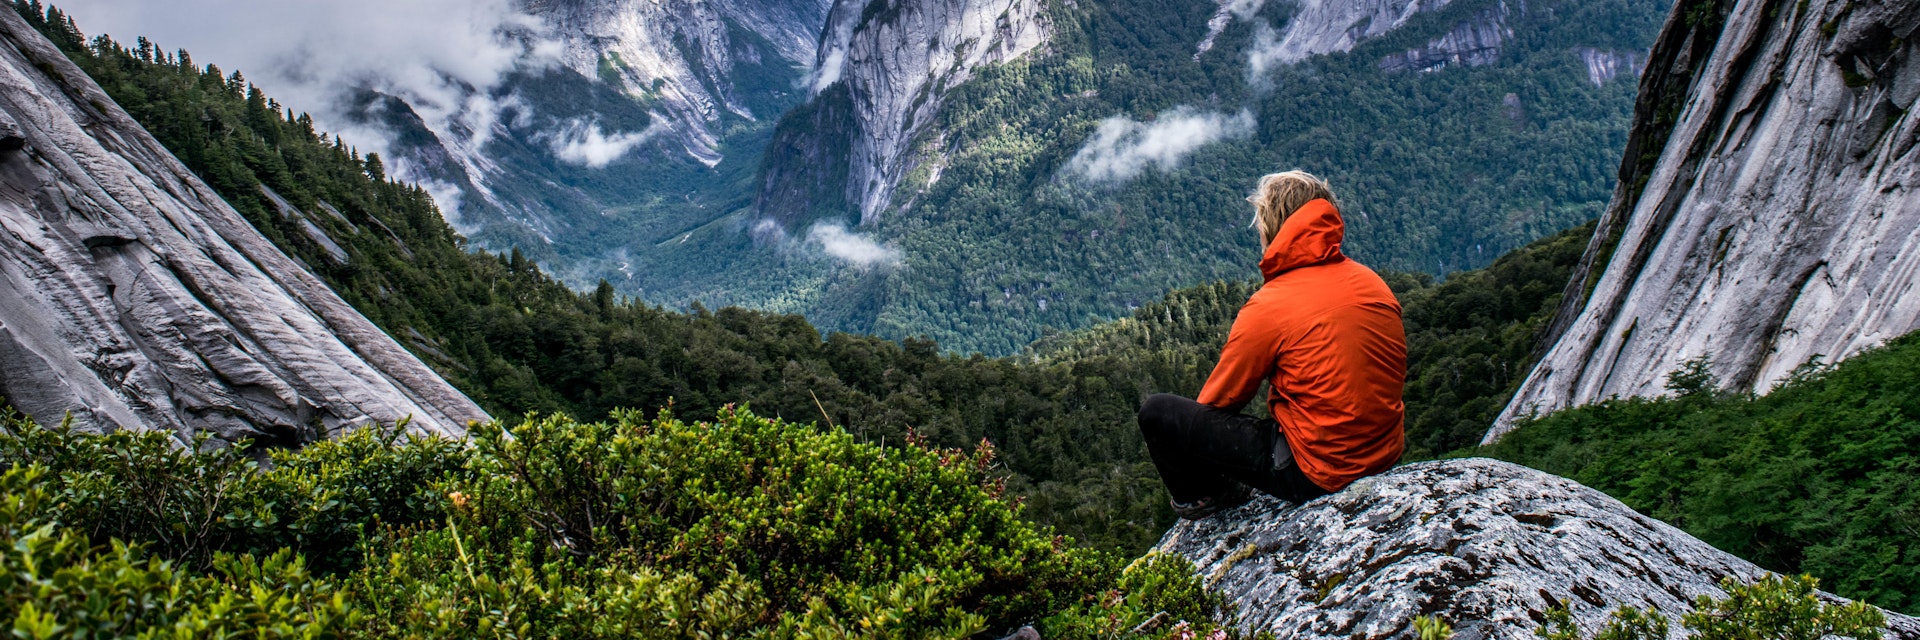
(832,61)
(831,238)
(443,57)
(1243,9)
(830,69)
(1122,148)
(583,143)
(854,248)
(1269,51)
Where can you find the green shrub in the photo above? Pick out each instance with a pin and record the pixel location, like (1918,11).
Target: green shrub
(1431,628)
(192,499)
(1775,608)
(635,527)
(55,584)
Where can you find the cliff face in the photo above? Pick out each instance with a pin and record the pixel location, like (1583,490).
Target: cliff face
(1472,42)
(1327,26)
(657,109)
(1766,215)
(685,56)
(1486,545)
(133,297)
(897,59)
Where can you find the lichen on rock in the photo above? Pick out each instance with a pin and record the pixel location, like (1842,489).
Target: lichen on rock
(1487,546)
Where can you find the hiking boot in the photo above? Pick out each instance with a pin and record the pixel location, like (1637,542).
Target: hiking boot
(1234,495)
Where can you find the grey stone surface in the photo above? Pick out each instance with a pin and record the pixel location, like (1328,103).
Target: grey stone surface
(1604,65)
(690,47)
(1778,223)
(1486,545)
(133,297)
(1473,42)
(1327,26)
(899,65)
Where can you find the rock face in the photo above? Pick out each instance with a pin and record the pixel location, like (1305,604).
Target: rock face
(1472,42)
(133,297)
(1486,545)
(682,55)
(617,105)
(896,60)
(1766,213)
(1604,65)
(1326,26)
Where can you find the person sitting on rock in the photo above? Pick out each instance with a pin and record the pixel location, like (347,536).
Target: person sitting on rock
(1324,332)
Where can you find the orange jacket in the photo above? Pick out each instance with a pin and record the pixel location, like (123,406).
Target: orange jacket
(1326,332)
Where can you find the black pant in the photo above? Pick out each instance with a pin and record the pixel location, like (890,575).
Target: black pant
(1200,449)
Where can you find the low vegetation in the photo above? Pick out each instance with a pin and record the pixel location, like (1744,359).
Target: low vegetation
(1775,608)
(634,527)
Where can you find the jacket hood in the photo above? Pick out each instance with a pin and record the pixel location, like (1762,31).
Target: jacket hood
(1312,235)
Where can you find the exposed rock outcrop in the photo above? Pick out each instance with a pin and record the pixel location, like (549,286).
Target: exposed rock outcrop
(681,55)
(897,59)
(1766,213)
(1473,42)
(1486,545)
(1326,26)
(133,297)
(1604,65)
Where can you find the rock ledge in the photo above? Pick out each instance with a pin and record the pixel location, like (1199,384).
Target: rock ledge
(1486,545)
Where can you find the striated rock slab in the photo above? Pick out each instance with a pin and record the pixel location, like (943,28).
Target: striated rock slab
(133,297)
(1766,215)
(1486,545)
(1473,42)
(898,59)
(1327,26)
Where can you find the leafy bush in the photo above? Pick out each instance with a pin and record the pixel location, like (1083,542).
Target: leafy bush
(55,583)
(1775,608)
(633,527)
(191,500)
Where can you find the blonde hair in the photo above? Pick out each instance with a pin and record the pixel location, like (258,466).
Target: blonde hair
(1281,194)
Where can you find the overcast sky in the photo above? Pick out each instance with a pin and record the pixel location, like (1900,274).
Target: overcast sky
(308,53)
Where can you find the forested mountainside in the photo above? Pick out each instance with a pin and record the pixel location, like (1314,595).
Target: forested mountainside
(972,171)
(1038,196)
(517,340)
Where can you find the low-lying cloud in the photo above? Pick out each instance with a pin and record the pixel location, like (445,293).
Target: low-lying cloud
(1269,51)
(443,57)
(831,238)
(1243,9)
(583,143)
(853,248)
(1123,148)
